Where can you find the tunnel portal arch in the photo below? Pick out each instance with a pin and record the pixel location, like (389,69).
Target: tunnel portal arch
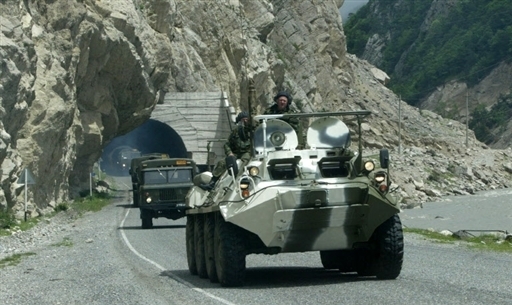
(151,137)
(182,123)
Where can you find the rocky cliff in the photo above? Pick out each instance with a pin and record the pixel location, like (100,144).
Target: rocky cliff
(76,74)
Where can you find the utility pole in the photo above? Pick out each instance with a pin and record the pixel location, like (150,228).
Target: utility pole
(467,115)
(399,124)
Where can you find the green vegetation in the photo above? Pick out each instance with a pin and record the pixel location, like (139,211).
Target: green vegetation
(482,242)
(8,222)
(91,204)
(80,206)
(61,207)
(6,219)
(14,259)
(485,122)
(438,176)
(466,44)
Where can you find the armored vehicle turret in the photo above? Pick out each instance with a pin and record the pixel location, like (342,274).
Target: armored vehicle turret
(323,197)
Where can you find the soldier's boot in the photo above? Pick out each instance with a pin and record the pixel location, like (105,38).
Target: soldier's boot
(210,185)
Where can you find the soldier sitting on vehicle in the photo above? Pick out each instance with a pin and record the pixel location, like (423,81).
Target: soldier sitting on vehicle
(282,102)
(238,146)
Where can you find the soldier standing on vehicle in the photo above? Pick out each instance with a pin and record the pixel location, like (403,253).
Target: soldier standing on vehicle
(238,146)
(282,102)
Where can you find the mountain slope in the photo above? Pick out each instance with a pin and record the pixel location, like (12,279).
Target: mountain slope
(440,53)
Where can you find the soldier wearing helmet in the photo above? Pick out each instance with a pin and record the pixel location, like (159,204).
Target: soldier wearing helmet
(238,146)
(282,102)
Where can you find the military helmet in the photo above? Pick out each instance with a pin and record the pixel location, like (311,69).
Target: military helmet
(285,94)
(241,115)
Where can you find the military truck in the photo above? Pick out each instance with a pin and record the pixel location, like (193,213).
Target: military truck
(134,171)
(161,186)
(324,197)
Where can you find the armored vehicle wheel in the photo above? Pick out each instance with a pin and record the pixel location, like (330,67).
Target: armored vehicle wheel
(344,260)
(199,246)
(229,253)
(209,233)
(189,236)
(385,257)
(390,245)
(329,259)
(147,222)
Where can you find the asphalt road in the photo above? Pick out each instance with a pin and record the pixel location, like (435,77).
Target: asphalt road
(432,274)
(489,210)
(113,261)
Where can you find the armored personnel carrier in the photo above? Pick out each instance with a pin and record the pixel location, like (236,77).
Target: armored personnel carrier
(324,197)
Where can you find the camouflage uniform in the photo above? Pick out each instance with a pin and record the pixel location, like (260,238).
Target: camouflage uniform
(239,144)
(294,122)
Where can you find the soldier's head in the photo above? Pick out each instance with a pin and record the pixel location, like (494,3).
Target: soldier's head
(283,100)
(243,118)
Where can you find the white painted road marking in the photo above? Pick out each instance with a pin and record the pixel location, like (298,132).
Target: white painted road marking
(158,266)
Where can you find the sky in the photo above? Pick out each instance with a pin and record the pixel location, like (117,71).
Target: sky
(350,6)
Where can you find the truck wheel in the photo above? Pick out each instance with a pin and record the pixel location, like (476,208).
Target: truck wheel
(229,253)
(189,236)
(209,233)
(135,199)
(390,248)
(147,222)
(344,260)
(199,246)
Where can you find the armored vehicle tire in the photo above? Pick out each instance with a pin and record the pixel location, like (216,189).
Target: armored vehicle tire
(390,241)
(199,246)
(344,260)
(387,251)
(209,233)
(189,236)
(329,259)
(147,222)
(229,253)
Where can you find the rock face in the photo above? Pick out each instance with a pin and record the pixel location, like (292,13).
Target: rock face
(76,74)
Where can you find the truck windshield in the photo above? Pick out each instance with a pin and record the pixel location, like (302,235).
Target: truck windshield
(175,175)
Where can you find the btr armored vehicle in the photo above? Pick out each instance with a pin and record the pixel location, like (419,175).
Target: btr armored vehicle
(160,185)
(322,197)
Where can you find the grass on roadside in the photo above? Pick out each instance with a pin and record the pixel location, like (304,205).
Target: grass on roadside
(485,242)
(91,204)
(7,222)
(94,203)
(14,259)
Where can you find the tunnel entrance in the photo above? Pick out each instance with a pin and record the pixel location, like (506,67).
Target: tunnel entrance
(150,137)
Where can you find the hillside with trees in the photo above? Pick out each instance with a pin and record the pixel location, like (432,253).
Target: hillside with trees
(425,44)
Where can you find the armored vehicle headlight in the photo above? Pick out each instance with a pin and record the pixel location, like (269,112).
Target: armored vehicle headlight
(369,166)
(380,177)
(244,188)
(277,138)
(254,171)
